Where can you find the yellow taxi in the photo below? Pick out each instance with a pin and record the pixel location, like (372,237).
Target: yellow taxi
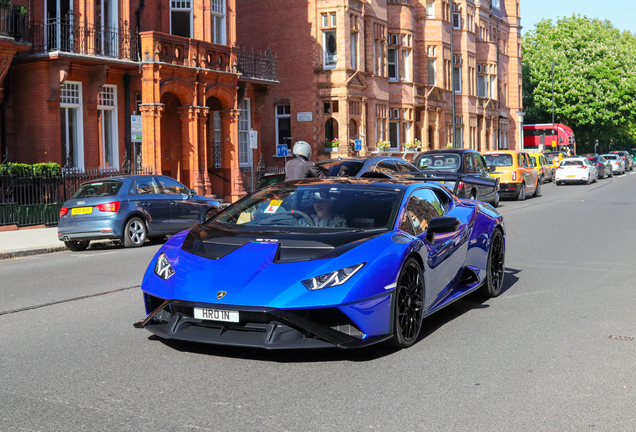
(539,161)
(518,176)
(554,158)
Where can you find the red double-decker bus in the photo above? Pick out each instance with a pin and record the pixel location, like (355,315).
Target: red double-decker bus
(549,137)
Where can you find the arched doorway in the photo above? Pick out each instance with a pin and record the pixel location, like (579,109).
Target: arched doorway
(171,137)
(331,129)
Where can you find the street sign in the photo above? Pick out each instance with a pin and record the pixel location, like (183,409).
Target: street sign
(254,140)
(136,128)
(305,116)
(358,145)
(281,150)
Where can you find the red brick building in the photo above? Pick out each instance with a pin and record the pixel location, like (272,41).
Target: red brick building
(84,67)
(435,71)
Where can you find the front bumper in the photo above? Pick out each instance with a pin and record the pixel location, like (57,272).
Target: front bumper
(267,328)
(508,190)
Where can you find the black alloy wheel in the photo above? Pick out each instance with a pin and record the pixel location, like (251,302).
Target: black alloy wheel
(496,268)
(408,305)
(77,246)
(537,190)
(521,196)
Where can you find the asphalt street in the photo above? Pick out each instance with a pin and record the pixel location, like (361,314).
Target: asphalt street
(555,352)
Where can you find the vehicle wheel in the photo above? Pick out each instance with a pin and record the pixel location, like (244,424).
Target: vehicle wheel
(611,174)
(77,246)
(588,179)
(135,233)
(521,196)
(559,183)
(595,178)
(157,239)
(537,190)
(495,270)
(495,203)
(542,179)
(408,305)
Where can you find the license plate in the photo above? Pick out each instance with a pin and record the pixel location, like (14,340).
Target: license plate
(82,210)
(216,315)
(570,176)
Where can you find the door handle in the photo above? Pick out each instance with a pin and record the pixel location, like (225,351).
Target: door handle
(146,204)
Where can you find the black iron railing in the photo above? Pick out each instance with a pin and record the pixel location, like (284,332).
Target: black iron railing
(13,22)
(69,35)
(37,200)
(258,66)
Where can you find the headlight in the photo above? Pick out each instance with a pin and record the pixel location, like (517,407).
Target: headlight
(163,269)
(334,278)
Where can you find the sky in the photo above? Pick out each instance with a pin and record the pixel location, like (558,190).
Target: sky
(620,12)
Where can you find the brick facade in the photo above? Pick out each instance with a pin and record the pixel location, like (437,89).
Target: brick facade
(372,64)
(67,90)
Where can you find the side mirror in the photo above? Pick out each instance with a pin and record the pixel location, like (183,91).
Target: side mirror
(441,225)
(192,192)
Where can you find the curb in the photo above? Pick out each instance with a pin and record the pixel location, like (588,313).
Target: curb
(30,252)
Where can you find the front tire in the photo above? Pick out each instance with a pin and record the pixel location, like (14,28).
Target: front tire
(77,246)
(408,305)
(496,267)
(135,233)
(495,203)
(537,190)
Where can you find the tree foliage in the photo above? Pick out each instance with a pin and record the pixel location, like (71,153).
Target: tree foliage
(594,80)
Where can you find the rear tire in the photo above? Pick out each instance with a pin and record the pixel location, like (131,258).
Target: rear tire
(135,233)
(496,269)
(77,246)
(408,305)
(537,190)
(521,196)
(495,203)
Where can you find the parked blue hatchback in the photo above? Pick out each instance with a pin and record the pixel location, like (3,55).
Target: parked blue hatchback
(131,209)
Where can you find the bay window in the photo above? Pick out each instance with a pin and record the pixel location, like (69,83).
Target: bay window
(218,22)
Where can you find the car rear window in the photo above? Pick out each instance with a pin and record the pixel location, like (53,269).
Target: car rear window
(341,168)
(571,163)
(500,160)
(98,189)
(612,157)
(443,161)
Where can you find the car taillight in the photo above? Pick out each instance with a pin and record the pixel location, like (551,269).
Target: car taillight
(460,185)
(63,211)
(109,207)
(514,175)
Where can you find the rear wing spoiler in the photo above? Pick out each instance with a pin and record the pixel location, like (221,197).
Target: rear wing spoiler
(456,179)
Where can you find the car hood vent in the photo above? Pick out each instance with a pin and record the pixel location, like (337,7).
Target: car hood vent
(215,243)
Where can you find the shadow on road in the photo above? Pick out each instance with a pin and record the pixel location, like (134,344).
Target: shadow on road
(374,352)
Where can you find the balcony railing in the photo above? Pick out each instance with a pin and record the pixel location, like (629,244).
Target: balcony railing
(257,66)
(13,23)
(71,36)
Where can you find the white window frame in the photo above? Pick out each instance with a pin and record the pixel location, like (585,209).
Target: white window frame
(109,29)
(218,10)
(107,101)
(280,116)
(397,128)
(434,75)
(69,101)
(216,140)
(493,87)
(457,21)
(430,11)
(182,6)
(325,64)
(405,58)
(395,62)
(458,88)
(483,93)
(244,128)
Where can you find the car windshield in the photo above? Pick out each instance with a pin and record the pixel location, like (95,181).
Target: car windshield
(320,207)
(341,168)
(500,160)
(98,189)
(593,159)
(441,161)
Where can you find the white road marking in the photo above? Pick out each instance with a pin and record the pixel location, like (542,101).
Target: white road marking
(96,254)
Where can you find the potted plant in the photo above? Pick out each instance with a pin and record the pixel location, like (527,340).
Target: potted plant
(383,145)
(417,145)
(332,146)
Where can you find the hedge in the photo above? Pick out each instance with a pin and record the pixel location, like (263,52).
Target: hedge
(46,169)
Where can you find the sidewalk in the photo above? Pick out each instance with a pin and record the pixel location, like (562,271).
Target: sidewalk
(25,242)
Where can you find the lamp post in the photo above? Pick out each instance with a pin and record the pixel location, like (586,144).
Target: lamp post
(595,145)
(553,65)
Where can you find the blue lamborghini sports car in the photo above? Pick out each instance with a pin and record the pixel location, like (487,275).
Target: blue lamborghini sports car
(324,263)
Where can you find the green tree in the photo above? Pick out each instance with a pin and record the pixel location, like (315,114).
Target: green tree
(594,83)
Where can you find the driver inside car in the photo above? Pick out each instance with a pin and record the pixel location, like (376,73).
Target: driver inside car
(323,217)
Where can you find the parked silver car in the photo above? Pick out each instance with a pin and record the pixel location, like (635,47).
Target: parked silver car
(618,165)
(131,209)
